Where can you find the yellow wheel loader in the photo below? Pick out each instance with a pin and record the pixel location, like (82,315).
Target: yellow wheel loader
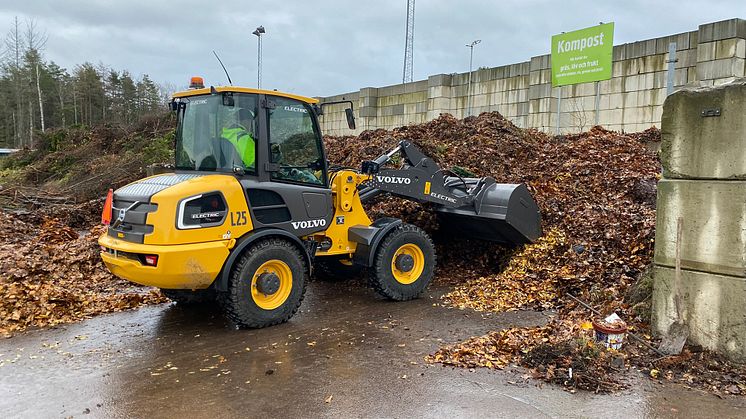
(253,204)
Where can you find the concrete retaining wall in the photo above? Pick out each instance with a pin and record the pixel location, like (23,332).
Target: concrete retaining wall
(631,100)
(703,186)
(722,157)
(713,309)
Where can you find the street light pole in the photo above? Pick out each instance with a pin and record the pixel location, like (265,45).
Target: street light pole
(471,59)
(258,32)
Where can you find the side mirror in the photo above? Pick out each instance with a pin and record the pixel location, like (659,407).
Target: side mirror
(350,118)
(348,112)
(173,105)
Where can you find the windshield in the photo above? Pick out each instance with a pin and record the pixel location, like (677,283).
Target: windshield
(295,143)
(217,132)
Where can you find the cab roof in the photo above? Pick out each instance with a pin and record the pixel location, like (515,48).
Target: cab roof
(207,91)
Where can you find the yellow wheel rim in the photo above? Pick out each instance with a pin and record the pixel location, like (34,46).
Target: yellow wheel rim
(419,264)
(283,272)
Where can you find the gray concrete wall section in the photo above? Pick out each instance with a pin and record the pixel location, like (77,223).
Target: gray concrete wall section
(713,225)
(713,310)
(632,100)
(704,186)
(723,156)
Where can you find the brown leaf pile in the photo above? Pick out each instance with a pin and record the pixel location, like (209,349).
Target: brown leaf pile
(560,352)
(598,221)
(495,350)
(51,274)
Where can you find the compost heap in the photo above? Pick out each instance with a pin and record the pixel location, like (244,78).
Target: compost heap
(52,274)
(50,268)
(596,191)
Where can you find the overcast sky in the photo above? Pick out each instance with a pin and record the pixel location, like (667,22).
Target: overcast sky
(320,48)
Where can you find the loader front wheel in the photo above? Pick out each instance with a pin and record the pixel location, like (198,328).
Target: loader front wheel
(404,263)
(266,285)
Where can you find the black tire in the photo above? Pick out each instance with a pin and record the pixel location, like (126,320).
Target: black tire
(189,297)
(333,269)
(382,278)
(239,302)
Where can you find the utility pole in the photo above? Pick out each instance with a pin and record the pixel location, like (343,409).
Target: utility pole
(258,32)
(408,73)
(468,89)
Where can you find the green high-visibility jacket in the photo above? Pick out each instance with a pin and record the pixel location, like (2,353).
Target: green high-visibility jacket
(243,142)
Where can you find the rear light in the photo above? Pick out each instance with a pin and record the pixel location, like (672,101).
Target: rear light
(106,213)
(151,260)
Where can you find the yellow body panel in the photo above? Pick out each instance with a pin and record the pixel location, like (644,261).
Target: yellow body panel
(190,258)
(206,91)
(164,218)
(186,266)
(346,204)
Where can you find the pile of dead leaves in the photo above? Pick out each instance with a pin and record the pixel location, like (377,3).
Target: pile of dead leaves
(560,352)
(52,274)
(593,190)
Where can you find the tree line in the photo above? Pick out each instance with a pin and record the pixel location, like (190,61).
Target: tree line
(38,94)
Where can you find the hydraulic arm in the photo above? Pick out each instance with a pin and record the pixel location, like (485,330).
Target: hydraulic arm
(474,207)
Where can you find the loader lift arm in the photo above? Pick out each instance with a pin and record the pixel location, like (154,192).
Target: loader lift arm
(474,207)
(419,179)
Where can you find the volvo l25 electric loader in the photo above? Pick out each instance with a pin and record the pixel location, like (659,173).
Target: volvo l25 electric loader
(253,204)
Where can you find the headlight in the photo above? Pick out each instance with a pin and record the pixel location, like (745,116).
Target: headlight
(205,210)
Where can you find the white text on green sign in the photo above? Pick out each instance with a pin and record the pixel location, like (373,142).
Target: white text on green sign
(582,56)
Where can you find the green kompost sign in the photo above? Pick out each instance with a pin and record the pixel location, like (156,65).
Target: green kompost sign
(582,56)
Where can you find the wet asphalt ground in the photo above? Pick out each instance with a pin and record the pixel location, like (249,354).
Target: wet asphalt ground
(346,354)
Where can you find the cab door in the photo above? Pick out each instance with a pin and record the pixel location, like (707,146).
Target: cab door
(297,197)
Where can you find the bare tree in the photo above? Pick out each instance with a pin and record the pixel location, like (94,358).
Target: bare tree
(35,42)
(578,113)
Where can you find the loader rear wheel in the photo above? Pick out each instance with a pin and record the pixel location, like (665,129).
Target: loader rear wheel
(404,263)
(266,285)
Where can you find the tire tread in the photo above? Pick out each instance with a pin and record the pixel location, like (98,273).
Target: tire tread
(231,300)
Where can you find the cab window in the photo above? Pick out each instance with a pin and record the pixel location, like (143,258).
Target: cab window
(217,132)
(294,143)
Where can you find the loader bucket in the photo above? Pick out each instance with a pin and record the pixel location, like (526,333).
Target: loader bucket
(502,213)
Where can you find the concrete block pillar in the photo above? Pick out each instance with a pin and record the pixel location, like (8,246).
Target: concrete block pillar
(368,108)
(704,185)
(439,94)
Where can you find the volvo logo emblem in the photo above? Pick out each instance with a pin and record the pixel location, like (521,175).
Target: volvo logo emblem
(121,214)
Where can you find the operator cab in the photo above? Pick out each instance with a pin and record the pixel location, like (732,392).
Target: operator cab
(266,135)
(269,141)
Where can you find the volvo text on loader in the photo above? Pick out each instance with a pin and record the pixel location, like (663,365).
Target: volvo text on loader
(248,225)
